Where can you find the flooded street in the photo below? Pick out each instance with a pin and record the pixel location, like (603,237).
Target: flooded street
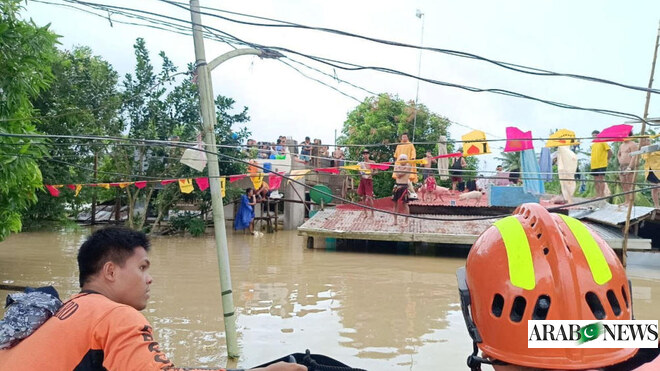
(374,311)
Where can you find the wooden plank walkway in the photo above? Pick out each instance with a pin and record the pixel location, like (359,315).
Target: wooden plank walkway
(353,225)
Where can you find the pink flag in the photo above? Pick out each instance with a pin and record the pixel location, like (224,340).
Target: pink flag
(53,191)
(71,187)
(202,183)
(274,181)
(518,140)
(330,170)
(234,178)
(141,184)
(456,154)
(168,181)
(381,166)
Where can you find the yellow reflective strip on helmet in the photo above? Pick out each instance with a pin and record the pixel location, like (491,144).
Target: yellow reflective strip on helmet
(521,266)
(600,270)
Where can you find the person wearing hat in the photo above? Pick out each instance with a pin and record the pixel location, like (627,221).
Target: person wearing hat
(402,174)
(366,186)
(537,265)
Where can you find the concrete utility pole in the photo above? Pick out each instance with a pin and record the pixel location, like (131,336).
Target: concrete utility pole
(207,106)
(624,248)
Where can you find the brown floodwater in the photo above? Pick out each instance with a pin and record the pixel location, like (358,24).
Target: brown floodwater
(374,311)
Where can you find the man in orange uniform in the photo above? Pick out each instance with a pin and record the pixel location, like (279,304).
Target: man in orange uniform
(101,328)
(535,265)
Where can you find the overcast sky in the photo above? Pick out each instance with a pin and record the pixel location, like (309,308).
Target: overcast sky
(608,39)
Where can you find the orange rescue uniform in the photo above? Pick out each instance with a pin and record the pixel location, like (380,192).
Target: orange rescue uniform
(89,332)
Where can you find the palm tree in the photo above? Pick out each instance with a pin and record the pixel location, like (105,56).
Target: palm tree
(510,160)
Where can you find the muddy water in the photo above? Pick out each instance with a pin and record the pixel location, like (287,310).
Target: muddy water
(375,311)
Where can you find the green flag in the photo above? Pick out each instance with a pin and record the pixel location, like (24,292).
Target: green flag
(590,332)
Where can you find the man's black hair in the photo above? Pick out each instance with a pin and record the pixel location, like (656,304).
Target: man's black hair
(247,190)
(595,132)
(114,244)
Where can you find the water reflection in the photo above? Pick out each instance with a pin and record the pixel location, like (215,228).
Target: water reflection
(375,311)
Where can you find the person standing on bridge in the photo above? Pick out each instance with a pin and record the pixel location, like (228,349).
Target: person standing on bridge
(402,174)
(366,186)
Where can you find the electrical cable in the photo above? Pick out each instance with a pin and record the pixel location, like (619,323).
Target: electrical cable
(346,201)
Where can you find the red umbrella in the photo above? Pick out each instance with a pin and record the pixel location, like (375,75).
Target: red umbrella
(615,133)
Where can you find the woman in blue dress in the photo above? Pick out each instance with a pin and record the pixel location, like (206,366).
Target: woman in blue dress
(245,215)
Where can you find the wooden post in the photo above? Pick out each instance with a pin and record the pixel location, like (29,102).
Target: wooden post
(624,252)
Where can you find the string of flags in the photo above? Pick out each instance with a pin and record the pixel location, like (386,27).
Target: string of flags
(474,143)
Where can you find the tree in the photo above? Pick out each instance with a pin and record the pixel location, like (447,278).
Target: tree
(381,120)
(26,53)
(85,88)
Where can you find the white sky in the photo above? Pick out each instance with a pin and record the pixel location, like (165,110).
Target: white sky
(608,39)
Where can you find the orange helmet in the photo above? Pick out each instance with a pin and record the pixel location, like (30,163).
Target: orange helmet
(541,266)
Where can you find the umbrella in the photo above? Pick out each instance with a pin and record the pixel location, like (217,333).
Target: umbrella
(615,133)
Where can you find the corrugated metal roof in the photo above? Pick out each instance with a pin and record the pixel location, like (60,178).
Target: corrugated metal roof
(615,215)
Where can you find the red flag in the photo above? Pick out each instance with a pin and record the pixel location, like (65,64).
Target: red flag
(234,178)
(141,184)
(457,154)
(53,191)
(331,170)
(71,187)
(202,183)
(168,181)
(274,181)
(381,166)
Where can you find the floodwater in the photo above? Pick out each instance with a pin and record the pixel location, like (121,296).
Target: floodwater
(374,311)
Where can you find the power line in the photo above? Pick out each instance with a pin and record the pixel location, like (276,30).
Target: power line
(506,65)
(355,67)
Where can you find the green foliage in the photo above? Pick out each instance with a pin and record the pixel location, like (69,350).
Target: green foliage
(85,88)
(381,120)
(26,53)
(194,224)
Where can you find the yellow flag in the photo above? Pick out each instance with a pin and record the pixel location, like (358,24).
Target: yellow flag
(257,180)
(223,183)
(562,137)
(124,184)
(474,143)
(78,188)
(297,174)
(104,185)
(352,167)
(185,185)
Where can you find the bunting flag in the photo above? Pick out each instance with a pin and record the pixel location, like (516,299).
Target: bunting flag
(78,188)
(274,181)
(53,190)
(124,184)
(446,155)
(140,184)
(185,185)
(298,174)
(103,185)
(202,183)
(380,166)
(257,180)
(330,170)
(252,169)
(223,183)
(518,140)
(234,178)
(562,137)
(474,143)
(71,187)
(168,181)
(350,167)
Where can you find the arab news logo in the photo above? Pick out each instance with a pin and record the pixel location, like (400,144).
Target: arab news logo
(592,334)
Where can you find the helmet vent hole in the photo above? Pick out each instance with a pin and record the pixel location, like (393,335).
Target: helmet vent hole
(541,308)
(532,222)
(625,297)
(498,305)
(538,236)
(595,305)
(614,303)
(518,309)
(546,251)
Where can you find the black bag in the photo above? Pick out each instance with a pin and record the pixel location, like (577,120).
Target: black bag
(314,362)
